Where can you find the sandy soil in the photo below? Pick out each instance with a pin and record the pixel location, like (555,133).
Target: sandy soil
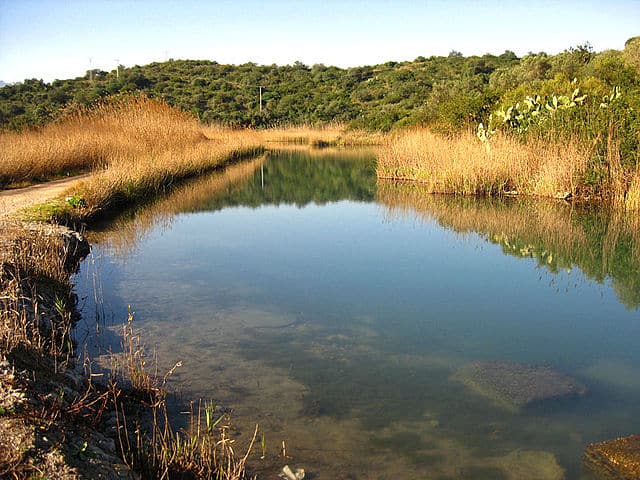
(13,200)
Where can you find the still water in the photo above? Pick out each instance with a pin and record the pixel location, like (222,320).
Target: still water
(338,313)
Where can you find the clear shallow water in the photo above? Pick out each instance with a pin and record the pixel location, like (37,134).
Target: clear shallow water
(336,312)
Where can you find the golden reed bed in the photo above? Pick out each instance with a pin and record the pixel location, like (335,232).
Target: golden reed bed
(461,164)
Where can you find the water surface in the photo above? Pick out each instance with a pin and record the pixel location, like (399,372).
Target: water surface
(336,313)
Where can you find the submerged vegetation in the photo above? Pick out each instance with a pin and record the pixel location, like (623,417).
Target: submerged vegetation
(56,424)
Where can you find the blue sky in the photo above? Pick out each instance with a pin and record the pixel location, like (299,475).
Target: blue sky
(62,39)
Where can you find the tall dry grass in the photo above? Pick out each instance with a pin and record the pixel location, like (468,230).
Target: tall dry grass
(86,139)
(303,135)
(632,200)
(461,164)
(324,136)
(35,290)
(132,178)
(136,146)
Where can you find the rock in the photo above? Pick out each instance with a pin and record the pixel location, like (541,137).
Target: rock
(564,195)
(530,464)
(617,459)
(288,474)
(515,385)
(76,245)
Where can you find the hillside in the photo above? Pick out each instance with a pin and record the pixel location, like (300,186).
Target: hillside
(445,92)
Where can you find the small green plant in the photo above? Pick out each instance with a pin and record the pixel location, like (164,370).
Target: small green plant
(209,412)
(76,201)
(60,306)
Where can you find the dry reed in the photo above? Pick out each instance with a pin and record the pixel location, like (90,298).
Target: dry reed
(461,164)
(136,146)
(135,177)
(34,291)
(632,200)
(325,136)
(203,450)
(86,139)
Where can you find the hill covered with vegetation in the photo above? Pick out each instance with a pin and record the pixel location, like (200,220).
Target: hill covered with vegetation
(447,93)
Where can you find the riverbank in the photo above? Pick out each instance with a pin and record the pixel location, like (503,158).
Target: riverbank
(57,419)
(463,164)
(60,417)
(49,413)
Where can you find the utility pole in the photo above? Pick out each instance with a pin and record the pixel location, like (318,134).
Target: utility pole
(117,68)
(261,87)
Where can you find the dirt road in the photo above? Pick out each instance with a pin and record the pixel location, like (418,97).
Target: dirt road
(13,200)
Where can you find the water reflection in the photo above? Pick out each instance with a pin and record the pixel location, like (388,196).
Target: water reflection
(297,177)
(603,244)
(337,314)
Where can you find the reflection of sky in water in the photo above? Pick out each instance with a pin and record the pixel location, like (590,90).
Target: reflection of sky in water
(370,293)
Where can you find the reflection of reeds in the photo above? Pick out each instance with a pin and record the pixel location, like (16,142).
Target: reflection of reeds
(601,243)
(125,232)
(462,164)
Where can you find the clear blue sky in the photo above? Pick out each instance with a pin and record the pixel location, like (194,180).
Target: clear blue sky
(63,39)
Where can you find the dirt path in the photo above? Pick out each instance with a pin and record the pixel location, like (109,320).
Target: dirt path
(13,200)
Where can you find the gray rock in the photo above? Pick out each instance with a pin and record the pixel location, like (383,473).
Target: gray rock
(515,385)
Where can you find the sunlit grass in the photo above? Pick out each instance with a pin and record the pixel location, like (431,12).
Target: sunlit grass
(632,200)
(133,178)
(461,164)
(135,146)
(323,136)
(87,139)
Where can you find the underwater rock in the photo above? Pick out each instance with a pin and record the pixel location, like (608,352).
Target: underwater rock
(515,385)
(530,464)
(288,474)
(617,459)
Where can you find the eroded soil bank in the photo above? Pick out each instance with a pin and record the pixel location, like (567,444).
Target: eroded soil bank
(54,421)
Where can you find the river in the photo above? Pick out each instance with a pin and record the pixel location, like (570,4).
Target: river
(342,314)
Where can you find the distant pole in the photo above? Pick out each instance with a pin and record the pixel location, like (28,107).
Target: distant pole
(261,98)
(90,69)
(117,68)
